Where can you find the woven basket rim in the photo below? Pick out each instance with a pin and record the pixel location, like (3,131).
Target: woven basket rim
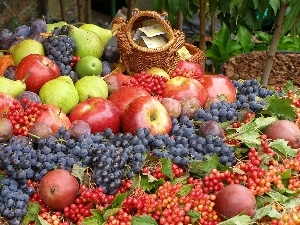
(160,19)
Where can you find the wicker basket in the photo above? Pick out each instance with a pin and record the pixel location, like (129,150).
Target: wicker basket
(136,58)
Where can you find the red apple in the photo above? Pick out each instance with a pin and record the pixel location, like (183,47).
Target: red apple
(7,101)
(219,86)
(54,117)
(99,113)
(58,189)
(146,112)
(123,96)
(35,70)
(182,87)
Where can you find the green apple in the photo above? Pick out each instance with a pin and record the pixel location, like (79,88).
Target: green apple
(91,86)
(60,92)
(88,66)
(25,48)
(105,34)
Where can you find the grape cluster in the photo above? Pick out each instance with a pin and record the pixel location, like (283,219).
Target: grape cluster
(13,201)
(60,48)
(184,145)
(251,95)
(219,112)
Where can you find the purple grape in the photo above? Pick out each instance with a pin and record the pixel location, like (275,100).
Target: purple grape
(10,72)
(6,39)
(111,54)
(23,30)
(38,37)
(106,68)
(38,26)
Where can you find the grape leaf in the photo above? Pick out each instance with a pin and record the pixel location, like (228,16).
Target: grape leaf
(194,215)
(202,168)
(33,209)
(185,190)
(143,220)
(281,147)
(282,107)
(250,138)
(167,167)
(237,220)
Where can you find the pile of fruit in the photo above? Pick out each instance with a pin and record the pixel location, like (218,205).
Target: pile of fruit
(81,144)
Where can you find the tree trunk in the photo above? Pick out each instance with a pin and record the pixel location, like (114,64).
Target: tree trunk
(274,44)
(179,20)
(202,43)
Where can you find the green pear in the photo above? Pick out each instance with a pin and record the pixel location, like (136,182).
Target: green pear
(60,92)
(91,86)
(87,42)
(25,48)
(11,87)
(105,34)
(51,26)
(88,66)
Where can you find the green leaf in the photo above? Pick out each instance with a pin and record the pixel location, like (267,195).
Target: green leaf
(194,215)
(276,196)
(143,220)
(262,212)
(285,111)
(156,5)
(118,201)
(110,212)
(202,168)
(78,172)
(146,181)
(275,4)
(167,167)
(292,203)
(41,221)
(232,48)
(286,175)
(281,147)
(237,220)
(233,3)
(185,190)
(182,179)
(33,209)
(251,138)
(244,37)
(264,37)
(291,17)
(96,219)
(274,214)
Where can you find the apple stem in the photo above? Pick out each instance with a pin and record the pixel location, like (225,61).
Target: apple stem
(33,135)
(26,77)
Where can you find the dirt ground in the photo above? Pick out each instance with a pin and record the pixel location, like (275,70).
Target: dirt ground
(286,67)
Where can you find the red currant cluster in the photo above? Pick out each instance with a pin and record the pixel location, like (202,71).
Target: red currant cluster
(22,118)
(191,73)
(154,84)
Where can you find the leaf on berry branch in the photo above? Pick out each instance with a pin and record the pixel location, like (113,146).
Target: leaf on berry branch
(277,197)
(282,107)
(268,210)
(41,221)
(185,190)
(110,212)
(237,220)
(182,179)
(292,203)
(142,220)
(167,167)
(202,168)
(146,182)
(96,219)
(194,215)
(281,147)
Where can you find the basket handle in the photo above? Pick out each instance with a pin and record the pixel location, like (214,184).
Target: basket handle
(161,18)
